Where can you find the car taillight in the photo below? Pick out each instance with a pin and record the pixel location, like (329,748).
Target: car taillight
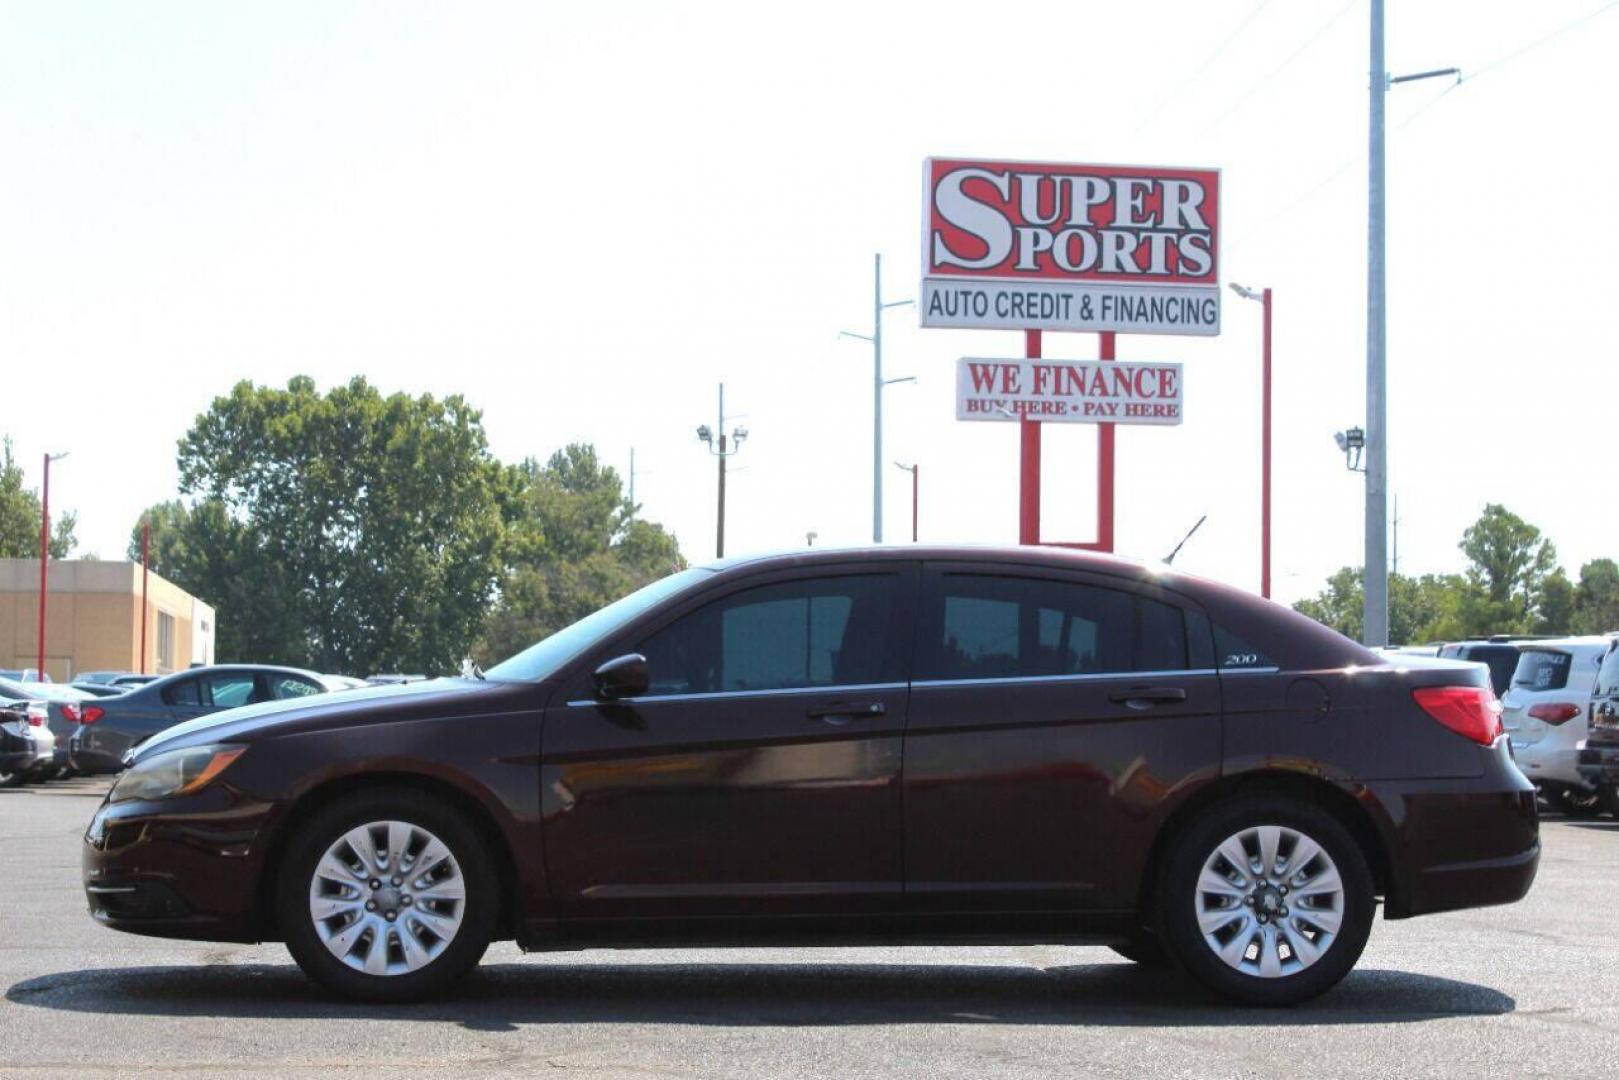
(1558,712)
(36,715)
(89,714)
(1470,711)
(71,712)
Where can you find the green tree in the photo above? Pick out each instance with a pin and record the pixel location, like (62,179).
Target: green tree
(347,531)
(1554,608)
(1432,607)
(19,515)
(1596,597)
(1510,561)
(573,545)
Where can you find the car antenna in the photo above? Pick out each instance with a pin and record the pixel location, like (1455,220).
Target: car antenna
(1169,560)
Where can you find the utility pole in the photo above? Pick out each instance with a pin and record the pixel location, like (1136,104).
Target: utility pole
(1376,584)
(44,556)
(632,483)
(878,382)
(1263,297)
(146,561)
(725,449)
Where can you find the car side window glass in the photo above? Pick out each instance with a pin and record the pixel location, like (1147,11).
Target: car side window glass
(1199,642)
(290,686)
(1607,684)
(1234,653)
(229,691)
(814,632)
(185,692)
(1006,627)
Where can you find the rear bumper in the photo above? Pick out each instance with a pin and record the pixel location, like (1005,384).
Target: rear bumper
(1550,765)
(1460,843)
(1599,764)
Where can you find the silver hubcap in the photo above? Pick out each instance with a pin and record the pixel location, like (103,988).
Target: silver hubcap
(387,898)
(1269,901)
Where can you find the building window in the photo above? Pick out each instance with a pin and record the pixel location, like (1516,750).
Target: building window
(165,641)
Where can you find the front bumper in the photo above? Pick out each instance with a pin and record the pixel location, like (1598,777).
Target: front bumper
(1460,843)
(186,868)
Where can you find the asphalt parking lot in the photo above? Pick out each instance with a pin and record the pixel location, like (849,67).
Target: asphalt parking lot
(1531,989)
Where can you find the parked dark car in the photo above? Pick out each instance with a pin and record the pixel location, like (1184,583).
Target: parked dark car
(17,751)
(109,728)
(904,745)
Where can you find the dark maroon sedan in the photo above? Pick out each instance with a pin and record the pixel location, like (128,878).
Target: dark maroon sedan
(905,745)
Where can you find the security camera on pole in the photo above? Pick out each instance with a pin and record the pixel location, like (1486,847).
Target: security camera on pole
(723,451)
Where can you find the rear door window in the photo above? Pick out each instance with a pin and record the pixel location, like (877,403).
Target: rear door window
(229,691)
(988,627)
(1542,669)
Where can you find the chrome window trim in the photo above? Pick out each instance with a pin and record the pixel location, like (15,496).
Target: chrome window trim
(720,695)
(1009,680)
(1272,670)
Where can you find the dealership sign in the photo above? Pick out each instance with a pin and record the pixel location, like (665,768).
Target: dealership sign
(1014,246)
(1068,391)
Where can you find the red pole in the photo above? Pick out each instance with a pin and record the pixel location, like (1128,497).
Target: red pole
(916,494)
(1264,483)
(1029,459)
(1104,465)
(146,551)
(44,559)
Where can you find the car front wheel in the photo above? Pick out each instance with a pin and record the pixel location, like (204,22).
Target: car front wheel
(1266,900)
(387,896)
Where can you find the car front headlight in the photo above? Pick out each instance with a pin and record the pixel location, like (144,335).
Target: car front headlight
(177,772)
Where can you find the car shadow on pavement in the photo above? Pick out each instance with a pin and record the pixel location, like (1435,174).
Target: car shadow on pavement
(504,997)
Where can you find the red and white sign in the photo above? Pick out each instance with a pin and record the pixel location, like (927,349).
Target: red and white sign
(1069,391)
(1015,246)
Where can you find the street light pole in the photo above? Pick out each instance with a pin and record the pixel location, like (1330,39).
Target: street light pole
(878,382)
(726,448)
(1376,584)
(915,471)
(1263,296)
(44,555)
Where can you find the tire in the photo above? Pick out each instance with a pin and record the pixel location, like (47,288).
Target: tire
(14,778)
(1258,970)
(1608,799)
(1144,949)
(444,949)
(1577,803)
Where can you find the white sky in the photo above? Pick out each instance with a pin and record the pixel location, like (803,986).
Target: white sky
(582,217)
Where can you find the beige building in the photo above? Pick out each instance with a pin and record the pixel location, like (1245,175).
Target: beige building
(93,619)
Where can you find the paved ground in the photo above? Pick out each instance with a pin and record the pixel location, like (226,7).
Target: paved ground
(1531,989)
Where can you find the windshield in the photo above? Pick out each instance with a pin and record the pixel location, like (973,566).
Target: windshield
(544,657)
(1608,674)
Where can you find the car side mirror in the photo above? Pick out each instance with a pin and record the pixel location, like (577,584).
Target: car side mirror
(622,677)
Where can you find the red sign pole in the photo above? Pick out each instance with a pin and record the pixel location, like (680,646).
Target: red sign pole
(1029,457)
(1104,465)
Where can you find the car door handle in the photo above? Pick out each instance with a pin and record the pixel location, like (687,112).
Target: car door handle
(1145,697)
(841,712)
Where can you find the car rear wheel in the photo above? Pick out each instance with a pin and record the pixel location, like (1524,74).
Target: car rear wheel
(1266,900)
(388,896)
(1577,803)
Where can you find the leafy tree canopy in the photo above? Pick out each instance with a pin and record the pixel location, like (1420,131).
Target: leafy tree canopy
(19,515)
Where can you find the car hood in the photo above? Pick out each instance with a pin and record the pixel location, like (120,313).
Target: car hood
(252,722)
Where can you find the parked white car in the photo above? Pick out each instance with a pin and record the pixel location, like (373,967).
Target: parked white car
(1545,711)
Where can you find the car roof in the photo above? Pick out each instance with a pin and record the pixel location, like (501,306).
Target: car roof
(212,669)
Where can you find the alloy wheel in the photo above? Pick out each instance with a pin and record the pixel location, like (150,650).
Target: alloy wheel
(387,898)
(1269,901)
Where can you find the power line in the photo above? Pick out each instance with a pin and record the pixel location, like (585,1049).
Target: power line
(1198,72)
(1502,61)
(1285,64)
